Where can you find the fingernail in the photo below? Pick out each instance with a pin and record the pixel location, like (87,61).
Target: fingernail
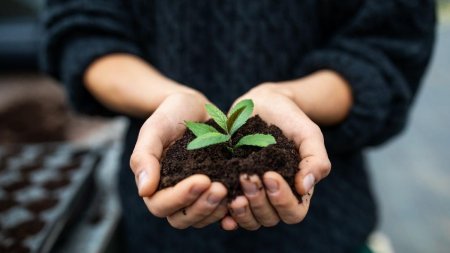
(249,188)
(239,211)
(196,190)
(142,179)
(271,185)
(213,199)
(308,182)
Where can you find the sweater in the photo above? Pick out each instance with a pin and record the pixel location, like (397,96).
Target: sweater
(223,49)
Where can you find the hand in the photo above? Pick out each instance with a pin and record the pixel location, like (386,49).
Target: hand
(195,201)
(267,205)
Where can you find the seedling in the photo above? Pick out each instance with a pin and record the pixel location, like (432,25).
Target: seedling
(207,135)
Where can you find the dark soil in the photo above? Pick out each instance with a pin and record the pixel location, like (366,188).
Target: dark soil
(17,185)
(25,229)
(33,121)
(2,164)
(79,154)
(14,248)
(70,167)
(31,167)
(6,204)
(54,184)
(219,164)
(41,205)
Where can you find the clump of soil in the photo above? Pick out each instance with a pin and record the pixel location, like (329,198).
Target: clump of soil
(26,169)
(219,164)
(70,167)
(41,205)
(16,247)
(17,185)
(54,184)
(25,229)
(6,204)
(29,121)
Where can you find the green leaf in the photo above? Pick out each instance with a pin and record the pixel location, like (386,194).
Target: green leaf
(217,115)
(232,118)
(259,140)
(207,139)
(200,128)
(239,114)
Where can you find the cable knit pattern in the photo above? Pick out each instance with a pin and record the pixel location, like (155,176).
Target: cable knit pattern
(224,48)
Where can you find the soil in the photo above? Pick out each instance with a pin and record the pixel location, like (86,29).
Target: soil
(31,167)
(219,164)
(29,121)
(41,205)
(54,184)
(14,248)
(2,164)
(15,186)
(70,167)
(25,229)
(6,204)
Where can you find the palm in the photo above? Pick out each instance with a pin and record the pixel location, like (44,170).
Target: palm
(191,194)
(272,204)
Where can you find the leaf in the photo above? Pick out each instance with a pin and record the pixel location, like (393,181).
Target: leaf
(239,115)
(232,118)
(217,115)
(258,140)
(200,128)
(207,139)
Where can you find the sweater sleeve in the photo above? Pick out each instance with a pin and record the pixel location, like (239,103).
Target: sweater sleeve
(76,32)
(382,50)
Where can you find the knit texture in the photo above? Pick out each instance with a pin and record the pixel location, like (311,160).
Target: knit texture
(224,48)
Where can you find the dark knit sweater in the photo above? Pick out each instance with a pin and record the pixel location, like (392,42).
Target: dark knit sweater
(223,48)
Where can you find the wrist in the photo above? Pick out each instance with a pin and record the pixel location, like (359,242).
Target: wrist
(324,96)
(129,85)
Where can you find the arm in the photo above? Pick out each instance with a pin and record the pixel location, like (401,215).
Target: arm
(91,46)
(76,34)
(358,88)
(127,84)
(324,96)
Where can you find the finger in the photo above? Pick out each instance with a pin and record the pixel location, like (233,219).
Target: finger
(261,208)
(307,136)
(146,155)
(283,199)
(241,213)
(306,199)
(228,223)
(146,169)
(167,201)
(217,215)
(200,209)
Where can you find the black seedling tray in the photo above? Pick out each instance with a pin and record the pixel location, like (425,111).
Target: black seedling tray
(41,187)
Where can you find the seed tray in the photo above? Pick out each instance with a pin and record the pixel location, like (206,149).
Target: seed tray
(41,188)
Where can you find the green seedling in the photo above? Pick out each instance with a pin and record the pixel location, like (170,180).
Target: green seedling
(207,135)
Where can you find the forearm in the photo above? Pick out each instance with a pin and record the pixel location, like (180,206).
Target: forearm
(324,96)
(124,83)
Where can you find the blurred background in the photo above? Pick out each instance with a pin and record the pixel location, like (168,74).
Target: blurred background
(410,173)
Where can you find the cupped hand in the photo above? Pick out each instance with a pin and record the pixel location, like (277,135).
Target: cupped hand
(195,201)
(269,200)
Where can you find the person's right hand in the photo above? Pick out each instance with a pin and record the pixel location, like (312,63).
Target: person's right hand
(195,201)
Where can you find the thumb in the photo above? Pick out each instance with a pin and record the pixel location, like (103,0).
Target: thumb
(312,170)
(144,161)
(314,165)
(146,170)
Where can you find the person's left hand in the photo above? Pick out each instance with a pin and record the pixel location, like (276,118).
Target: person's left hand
(270,200)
